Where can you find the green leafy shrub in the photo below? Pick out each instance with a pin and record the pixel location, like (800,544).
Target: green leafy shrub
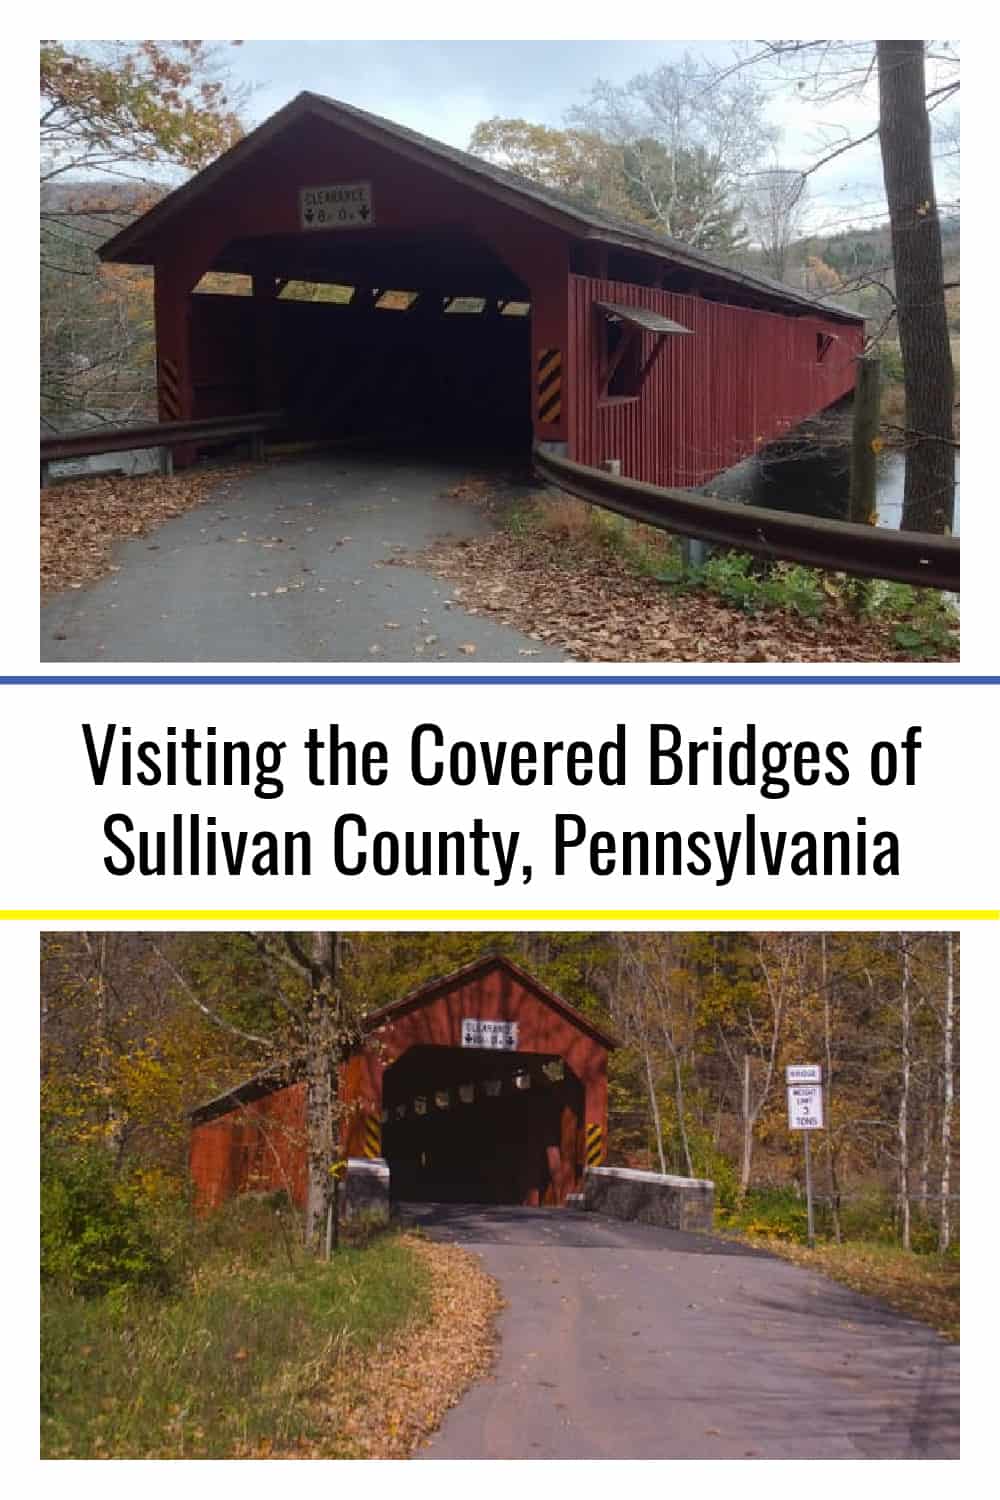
(730,575)
(709,1162)
(777,1212)
(97,1234)
(796,588)
(925,620)
(926,633)
(868,1218)
(747,583)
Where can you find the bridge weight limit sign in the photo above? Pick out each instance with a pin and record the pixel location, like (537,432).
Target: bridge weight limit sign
(805,1113)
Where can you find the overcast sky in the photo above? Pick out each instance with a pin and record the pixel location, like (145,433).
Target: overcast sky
(445,88)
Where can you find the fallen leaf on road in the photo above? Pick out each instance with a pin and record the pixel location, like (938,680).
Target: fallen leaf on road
(82,519)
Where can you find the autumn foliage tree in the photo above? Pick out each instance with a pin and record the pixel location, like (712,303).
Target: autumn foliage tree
(119,123)
(665,149)
(577,163)
(137,1029)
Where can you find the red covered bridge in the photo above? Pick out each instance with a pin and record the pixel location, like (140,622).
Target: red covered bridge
(471,304)
(483,1086)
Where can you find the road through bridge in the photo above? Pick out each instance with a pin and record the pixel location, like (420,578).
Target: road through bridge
(623,1340)
(293,563)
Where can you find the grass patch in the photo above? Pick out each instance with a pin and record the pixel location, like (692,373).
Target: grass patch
(233,1362)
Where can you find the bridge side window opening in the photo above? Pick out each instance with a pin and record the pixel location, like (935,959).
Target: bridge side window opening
(623,371)
(622,360)
(824,342)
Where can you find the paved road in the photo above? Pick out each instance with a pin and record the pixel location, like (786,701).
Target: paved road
(291,566)
(624,1341)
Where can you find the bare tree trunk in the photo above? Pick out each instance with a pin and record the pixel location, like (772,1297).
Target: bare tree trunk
(928,374)
(321,1088)
(747,1153)
(775,971)
(944,1231)
(679,1101)
(114,1120)
(926,1135)
(654,1107)
(903,1124)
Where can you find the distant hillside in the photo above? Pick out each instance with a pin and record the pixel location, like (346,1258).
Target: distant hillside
(858,264)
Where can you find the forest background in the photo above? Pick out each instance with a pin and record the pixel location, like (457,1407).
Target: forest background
(139,1029)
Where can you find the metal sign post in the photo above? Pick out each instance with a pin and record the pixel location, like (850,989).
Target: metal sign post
(810,1226)
(805,1113)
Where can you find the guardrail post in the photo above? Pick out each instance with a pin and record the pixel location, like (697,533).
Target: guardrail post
(44,474)
(693,553)
(166,460)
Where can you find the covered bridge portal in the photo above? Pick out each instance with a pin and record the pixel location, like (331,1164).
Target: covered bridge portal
(480,1087)
(472,306)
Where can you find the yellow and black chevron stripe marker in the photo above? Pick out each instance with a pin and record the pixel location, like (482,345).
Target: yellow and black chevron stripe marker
(170,390)
(373,1136)
(595,1144)
(549,385)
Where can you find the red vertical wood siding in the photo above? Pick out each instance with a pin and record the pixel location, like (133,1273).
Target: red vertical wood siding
(259,1147)
(741,378)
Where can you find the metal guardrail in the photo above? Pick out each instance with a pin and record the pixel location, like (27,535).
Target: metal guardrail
(163,435)
(913,557)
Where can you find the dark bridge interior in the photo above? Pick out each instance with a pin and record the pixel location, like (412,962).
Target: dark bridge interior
(469,1126)
(399,336)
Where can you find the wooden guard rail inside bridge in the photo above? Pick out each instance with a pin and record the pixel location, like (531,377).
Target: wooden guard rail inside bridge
(163,435)
(914,557)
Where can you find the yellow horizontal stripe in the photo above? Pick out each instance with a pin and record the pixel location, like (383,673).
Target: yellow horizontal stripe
(499,915)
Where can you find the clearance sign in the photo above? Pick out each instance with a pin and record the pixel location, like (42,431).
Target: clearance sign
(343,205)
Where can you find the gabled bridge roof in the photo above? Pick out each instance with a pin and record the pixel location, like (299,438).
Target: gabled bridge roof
(137,244)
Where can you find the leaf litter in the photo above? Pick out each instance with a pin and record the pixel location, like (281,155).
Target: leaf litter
(595,607)
(82,519)
(387,1403)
